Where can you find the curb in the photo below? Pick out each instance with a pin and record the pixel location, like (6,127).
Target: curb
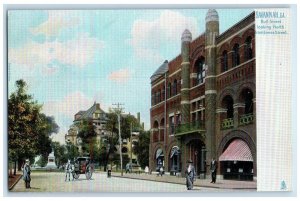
(13,185)
(170,182)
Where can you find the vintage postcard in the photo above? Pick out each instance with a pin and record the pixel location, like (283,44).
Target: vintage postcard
(149,100)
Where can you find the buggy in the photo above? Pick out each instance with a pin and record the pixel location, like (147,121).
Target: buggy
(83,165)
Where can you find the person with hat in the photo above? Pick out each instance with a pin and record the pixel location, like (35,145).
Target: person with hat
(213,169)
(26,174)
(190,175)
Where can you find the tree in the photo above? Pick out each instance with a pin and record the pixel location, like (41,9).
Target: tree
(87,132)
(141,148)
(28,128)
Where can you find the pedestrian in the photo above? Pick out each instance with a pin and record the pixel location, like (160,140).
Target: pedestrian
(146,170)
(108,170)
(161,171)
(69,171)
(190,175)
(26,174)
(213,169)
(127,168)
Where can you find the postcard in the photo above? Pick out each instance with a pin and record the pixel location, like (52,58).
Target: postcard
(149,100)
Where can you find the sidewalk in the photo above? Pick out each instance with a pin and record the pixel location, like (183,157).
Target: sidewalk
(221,184)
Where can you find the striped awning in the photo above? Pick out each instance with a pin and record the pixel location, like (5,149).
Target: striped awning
(237,150)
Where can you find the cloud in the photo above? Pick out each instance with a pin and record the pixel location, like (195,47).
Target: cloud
(69,105)
(57,20)
(76,52)
(148,36)
(120,76)
(64,110)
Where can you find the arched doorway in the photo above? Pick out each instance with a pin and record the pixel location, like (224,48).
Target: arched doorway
(174,162)
(195,151)
(159,158)
(236,160)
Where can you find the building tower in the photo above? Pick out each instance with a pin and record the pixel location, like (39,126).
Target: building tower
(212,31)
(186,39)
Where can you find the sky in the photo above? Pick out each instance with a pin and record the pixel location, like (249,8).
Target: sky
(72,58)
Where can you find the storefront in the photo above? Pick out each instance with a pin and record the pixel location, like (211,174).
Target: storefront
(236,162)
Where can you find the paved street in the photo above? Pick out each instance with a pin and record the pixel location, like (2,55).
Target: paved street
(55,182)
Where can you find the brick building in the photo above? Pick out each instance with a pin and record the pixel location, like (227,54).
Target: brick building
(203,103)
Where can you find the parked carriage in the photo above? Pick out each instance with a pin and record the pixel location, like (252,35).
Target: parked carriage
(83,165)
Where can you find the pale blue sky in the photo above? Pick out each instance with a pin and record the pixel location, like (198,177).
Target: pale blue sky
(72,58)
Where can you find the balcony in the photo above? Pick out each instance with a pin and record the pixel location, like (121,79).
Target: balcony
(227,123)
(183,129)
(246,119)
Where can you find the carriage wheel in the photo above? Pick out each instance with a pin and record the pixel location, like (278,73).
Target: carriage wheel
(88,173)
(75,175)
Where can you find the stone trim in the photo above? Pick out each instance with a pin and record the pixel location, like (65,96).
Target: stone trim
(193,75)
(184,102)
(210,92)
(221,110)
(237,105)
(185,63)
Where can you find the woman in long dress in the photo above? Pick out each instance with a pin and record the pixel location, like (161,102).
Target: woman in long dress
(190,175)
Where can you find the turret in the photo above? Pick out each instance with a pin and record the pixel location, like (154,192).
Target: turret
(211,32)
(186,39)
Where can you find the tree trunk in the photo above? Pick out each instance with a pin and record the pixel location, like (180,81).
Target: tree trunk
(15,168)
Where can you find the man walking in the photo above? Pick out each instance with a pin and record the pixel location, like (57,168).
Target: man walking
(213,169)
(190,175)
(26,174)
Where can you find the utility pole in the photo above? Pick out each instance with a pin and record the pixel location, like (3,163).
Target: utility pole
(131,143)
(119,109)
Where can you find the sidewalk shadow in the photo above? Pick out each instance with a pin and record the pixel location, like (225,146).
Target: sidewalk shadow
(35,188)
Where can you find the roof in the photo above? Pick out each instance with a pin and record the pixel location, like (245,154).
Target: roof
(89,113)
(160,71)
(80,112)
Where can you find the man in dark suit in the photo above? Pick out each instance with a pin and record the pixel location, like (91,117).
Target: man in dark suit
(213,169)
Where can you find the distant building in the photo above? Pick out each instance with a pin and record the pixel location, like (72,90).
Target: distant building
(99,119)
(94,114)
(203,103)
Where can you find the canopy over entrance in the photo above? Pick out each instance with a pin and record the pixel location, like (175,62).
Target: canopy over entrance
(237,150)
(159,153)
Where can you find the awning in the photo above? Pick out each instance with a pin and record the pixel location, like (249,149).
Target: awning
(237,150)
(159,153)
(174,151)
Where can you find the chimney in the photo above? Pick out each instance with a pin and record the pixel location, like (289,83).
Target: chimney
(139,117)
(97,106)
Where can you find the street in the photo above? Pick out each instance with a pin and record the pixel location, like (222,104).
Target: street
(55,182)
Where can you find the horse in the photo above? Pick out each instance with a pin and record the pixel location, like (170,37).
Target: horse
(69,168)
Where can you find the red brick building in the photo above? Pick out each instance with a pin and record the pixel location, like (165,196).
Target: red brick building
(203,103)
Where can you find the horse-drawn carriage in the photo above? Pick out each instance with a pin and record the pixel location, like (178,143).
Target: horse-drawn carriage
(83,165)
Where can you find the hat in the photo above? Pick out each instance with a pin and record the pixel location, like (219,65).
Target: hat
(27,160)
(190,161)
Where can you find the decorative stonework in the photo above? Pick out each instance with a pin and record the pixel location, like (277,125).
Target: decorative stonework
(186,36)
(211,15)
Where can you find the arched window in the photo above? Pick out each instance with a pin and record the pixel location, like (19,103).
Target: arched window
(247,97)
(228,104)
(224,61)
(175,87)
(248,48)
(163,94)
(200,69)
(235,55)
(169,90)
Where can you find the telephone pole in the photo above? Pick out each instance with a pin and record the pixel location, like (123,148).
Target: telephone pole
(119,111)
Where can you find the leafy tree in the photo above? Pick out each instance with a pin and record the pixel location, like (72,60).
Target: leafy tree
(28,128)
(87,132)
(141,148)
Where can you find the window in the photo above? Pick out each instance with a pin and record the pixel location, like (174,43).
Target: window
(172,127)
(248,48)
(175,87)
(224,61)
(169,90)
(236,55)
(200,68)
(163,94)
